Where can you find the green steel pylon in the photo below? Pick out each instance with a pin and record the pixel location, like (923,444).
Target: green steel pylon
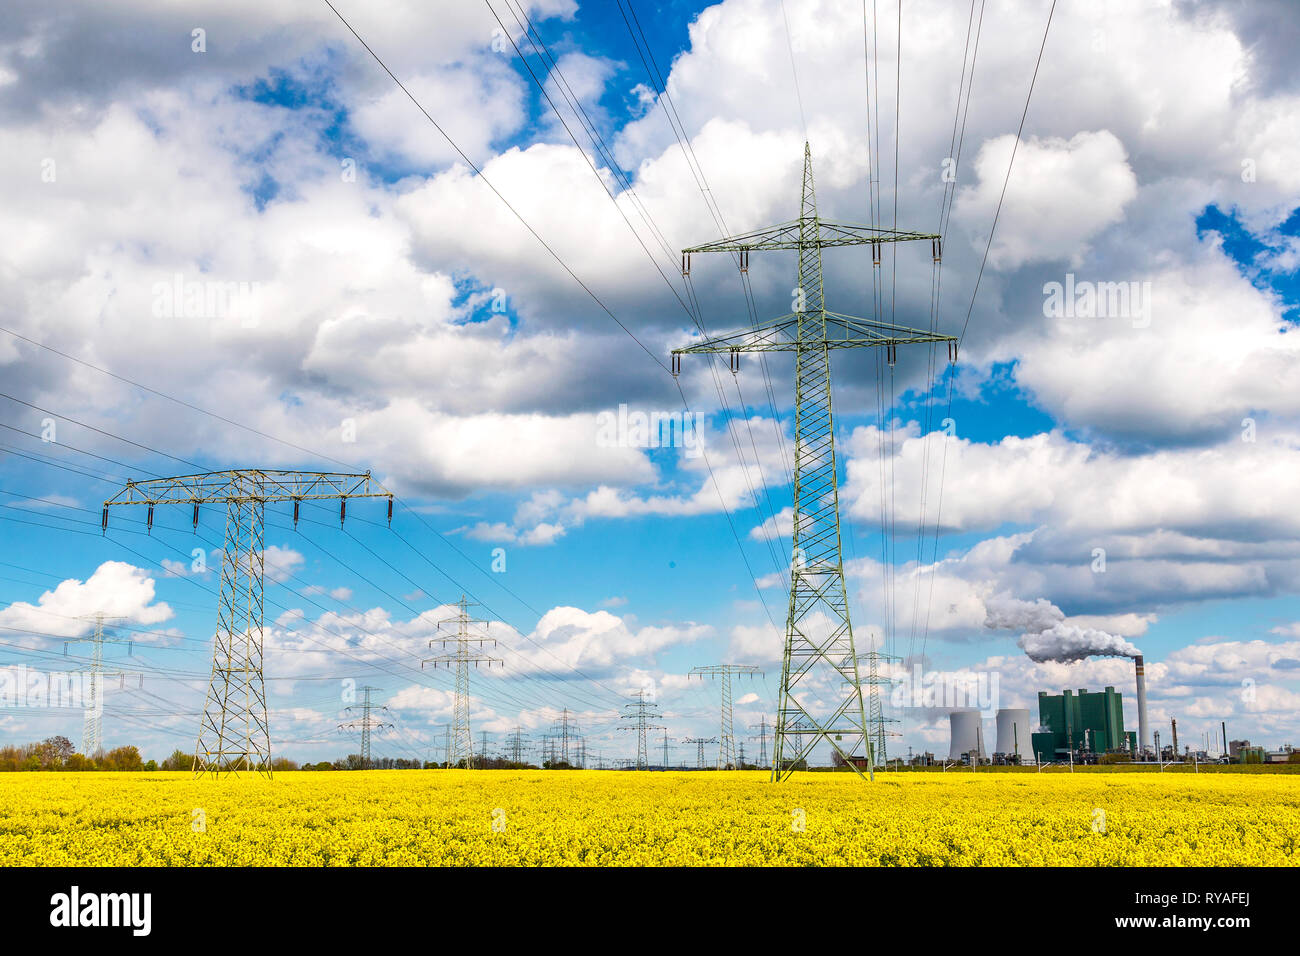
(876,718)
(467,650)
(819,655)
(235,733)
(727,748)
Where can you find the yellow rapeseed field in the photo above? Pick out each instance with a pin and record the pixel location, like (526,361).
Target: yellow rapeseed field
(440,817)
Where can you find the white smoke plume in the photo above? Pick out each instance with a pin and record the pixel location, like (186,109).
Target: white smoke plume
(1046,634)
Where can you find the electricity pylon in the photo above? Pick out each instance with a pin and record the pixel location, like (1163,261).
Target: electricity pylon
(761,727)
(665,749)
(446,747)
(818,633)
(516,745)
(467,651)
(876,718)
(727,749)
(366,725)
(700,742)
(92,728)
(234,733)
(563,729)
(641,712)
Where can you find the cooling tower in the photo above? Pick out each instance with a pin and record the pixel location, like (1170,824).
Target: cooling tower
(967,733)
(1013,733)
(1144,741)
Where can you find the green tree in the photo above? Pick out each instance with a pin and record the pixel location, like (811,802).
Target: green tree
(79,762)
(123,758)
(54,752)
(179,760)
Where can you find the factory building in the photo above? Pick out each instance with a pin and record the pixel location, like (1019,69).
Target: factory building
(1250,754)
(1081,723)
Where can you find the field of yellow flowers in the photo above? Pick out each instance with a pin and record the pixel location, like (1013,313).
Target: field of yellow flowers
(457,817)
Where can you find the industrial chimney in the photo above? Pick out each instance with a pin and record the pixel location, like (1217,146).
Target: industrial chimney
(1144,742)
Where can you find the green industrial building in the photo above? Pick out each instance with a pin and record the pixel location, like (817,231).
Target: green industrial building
(1081,722)
(1253,755)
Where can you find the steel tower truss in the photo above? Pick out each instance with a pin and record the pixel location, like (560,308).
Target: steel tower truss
(366,724)
(234,734)
(876,719)
(642,711)
(467,650)
(819,656)
(727,747)
(92,732)
(699,744)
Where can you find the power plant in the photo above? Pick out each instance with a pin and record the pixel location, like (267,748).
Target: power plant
(1079,727)
(1084,723)
(967,735)
(1014,741)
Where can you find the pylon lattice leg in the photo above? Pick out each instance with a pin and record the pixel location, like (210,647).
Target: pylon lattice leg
(92,725)
(876,710)
(464,739)
(234,735)
(727,748)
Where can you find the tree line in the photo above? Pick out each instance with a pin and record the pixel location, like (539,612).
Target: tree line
(58,753)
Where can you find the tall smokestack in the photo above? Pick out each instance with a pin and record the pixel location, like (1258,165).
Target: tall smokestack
(1144,742)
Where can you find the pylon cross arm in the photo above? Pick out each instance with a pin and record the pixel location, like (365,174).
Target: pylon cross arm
(248,484)
(841,332)
(800,234)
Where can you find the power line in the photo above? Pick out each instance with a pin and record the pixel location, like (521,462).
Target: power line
(992,230)
(479,173)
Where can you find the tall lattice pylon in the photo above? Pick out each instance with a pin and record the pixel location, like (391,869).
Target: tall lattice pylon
(876,678)
(819,657)
(699,743)
(761,737)
(92,730)
(366,724)
(468,649)
(234,734)
(727,736)
(564,729)
(642,711)
(517,746)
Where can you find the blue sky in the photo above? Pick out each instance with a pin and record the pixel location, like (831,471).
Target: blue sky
(622,568)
